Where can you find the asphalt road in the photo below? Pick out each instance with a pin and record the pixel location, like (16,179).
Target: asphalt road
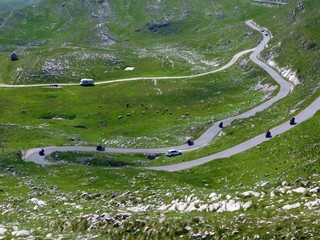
(285,88)
(301,117)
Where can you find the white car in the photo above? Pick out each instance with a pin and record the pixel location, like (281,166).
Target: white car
(173,152)
(86,82)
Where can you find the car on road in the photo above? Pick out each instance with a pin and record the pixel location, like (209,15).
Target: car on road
(173,152)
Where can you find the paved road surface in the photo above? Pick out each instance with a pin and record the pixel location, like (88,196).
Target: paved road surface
(285,88)
(301,117)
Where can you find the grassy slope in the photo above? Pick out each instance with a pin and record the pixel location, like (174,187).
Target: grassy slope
(296,43)
(164,113)
(194,35)
(106,188)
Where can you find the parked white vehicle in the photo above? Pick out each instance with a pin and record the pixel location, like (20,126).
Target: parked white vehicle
(173,152)
(86,82)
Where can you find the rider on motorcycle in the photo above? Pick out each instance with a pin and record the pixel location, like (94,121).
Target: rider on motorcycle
(268,134)
(41,152)
(292,121)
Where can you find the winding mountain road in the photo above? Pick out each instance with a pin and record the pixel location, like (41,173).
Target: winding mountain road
(285,88)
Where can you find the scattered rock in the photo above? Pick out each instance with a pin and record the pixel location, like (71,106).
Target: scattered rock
(250,194)
(288,207)
(300,190)
(20,233)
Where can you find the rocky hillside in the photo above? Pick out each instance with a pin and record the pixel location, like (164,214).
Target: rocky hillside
(271,191)
(62,41)
(294,49)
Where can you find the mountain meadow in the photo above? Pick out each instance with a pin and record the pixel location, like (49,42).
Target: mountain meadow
(270,191)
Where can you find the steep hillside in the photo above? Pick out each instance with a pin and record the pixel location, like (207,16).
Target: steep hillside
(295,48)
(60,41)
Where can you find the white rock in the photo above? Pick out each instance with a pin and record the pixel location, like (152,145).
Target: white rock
(203,207)
(214,206)
(272,195)
(20,233)
(281,190)
(286,72)
(129,68)
(38,202)
(314,190)
(246,205)
(232,205)
(250,194)
(288,207)
(169,194)
(140,208)
(162,207)
(229,206)
(190,198)
(214,197)
(49,236)
(3,230)
(300,190)
(262,183)
(192,206)
(181,206)
(172,208)
(312,204)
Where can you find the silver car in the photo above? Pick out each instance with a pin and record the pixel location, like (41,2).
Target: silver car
(173,152)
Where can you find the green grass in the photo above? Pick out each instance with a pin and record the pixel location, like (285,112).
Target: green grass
(267,162)
(93,187)
(98,159)
(165,112)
